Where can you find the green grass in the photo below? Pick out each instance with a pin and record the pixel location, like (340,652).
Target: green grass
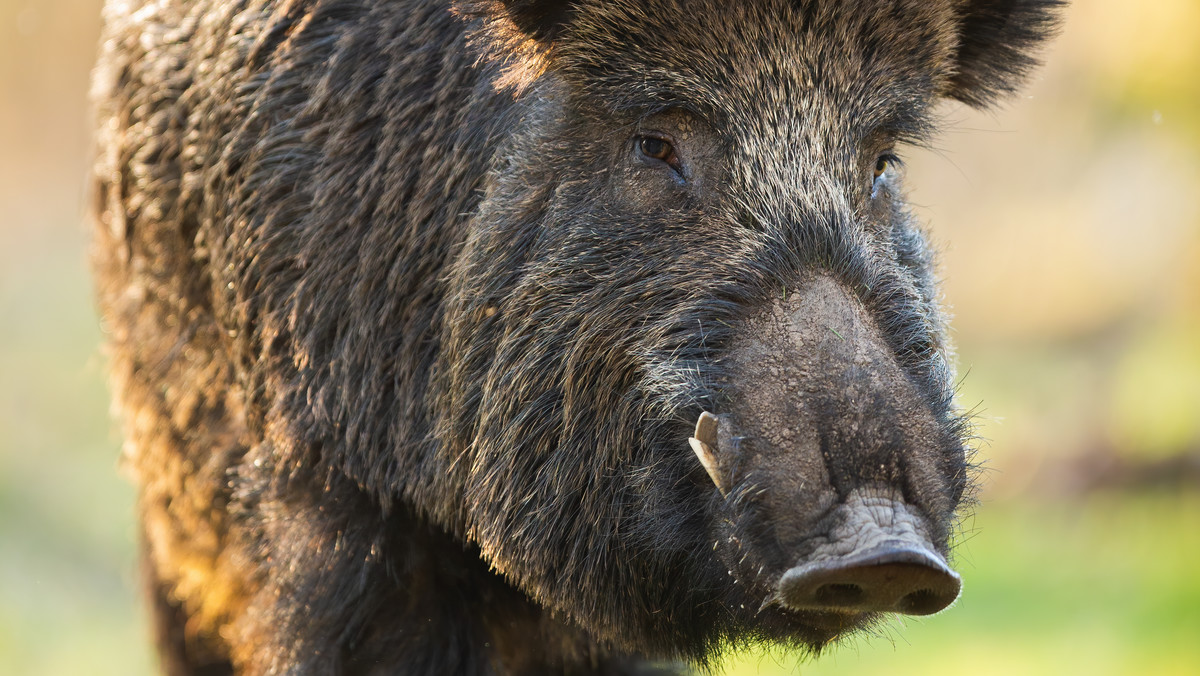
(67,580)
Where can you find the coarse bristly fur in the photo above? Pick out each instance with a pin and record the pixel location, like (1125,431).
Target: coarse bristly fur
(409,330)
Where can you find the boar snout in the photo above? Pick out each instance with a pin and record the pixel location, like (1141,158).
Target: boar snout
(839,470)
(876,559)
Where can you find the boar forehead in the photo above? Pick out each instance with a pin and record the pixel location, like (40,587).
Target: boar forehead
(838,69)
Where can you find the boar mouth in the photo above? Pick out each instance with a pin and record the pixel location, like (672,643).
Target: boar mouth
(822,627)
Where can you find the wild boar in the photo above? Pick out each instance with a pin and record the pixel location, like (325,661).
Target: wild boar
(515,337)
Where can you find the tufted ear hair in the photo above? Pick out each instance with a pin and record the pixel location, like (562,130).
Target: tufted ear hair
(540,20)
(997,41)
(517,34)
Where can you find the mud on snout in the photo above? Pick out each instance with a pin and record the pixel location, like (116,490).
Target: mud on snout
(838,479)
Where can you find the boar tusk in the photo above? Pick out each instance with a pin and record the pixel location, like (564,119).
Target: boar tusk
(709,461)
(702,443)
(706,429)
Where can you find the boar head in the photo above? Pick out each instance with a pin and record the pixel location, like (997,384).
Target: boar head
(695,384)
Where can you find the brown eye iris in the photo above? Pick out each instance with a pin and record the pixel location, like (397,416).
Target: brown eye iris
(656,148)
(881,166)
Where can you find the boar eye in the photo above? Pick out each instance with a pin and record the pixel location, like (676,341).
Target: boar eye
(883,163)
(657,148)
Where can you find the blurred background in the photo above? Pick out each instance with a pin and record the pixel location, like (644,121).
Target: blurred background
(1070,228)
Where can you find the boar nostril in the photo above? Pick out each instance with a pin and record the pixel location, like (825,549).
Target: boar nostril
(845,595)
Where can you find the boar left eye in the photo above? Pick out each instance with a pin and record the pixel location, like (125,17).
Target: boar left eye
(883,163)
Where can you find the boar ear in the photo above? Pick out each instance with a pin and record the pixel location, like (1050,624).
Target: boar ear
(540,20)
(997,41)
(518,34)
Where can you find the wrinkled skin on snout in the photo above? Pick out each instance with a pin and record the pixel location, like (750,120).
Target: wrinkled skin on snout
(523,336)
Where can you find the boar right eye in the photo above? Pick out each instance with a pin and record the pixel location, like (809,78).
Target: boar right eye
(657,148)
